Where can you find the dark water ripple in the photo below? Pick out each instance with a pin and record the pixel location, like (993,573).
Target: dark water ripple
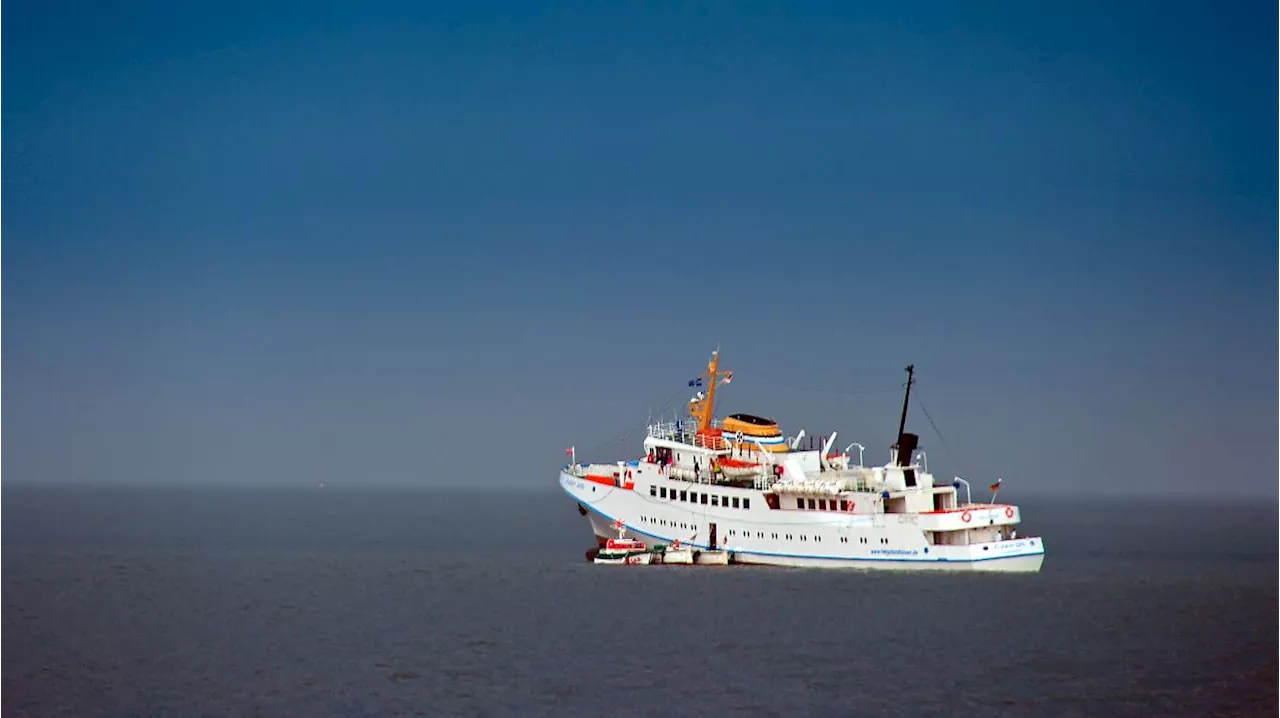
(274,603)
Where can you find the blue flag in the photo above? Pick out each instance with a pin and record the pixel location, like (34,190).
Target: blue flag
(695,382)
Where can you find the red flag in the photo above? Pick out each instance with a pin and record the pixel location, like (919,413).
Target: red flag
(996,485)
(569,451)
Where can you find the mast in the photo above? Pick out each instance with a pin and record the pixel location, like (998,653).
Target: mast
(907,443)
(902,424)
(707,410)
(704,409)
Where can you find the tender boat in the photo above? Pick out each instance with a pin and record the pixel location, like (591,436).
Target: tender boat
(711,557)
(745,430)
(677,553)
(623,550)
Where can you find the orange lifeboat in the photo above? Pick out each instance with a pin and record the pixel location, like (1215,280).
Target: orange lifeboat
(746,430)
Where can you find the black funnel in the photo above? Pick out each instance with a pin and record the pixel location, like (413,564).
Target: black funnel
(906,446)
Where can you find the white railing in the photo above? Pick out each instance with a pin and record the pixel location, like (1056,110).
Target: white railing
(669,430)
(686,432)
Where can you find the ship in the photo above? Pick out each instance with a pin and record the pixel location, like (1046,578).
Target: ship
(738,485)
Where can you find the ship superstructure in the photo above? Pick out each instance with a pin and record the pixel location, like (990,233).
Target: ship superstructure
(738,484)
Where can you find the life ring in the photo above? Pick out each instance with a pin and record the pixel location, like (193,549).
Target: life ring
(1008,512)
(966,517)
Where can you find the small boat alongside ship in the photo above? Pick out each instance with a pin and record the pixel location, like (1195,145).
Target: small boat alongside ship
(759,498)
(677,553)
(622,551)
(711,557)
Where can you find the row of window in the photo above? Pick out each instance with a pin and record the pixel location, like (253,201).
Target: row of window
(695,497)
(801,537)
(662,522)
(748,534)
(823,504)
(760,534)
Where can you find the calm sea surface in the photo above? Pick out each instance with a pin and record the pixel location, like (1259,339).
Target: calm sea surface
(172,602)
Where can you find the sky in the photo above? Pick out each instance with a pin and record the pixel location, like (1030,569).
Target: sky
(420,244)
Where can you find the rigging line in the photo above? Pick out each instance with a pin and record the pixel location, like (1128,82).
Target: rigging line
(950,452)
(631,428)
(831,390)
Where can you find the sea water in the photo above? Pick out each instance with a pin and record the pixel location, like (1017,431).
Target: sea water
(343,602)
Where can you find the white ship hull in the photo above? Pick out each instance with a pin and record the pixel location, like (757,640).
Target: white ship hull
(753,533)
(1024,563)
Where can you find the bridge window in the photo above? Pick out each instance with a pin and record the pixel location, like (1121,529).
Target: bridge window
(653,490)
(702,498)
(735,502)
(684,496)
(713,500)
(822,504)
(662,493)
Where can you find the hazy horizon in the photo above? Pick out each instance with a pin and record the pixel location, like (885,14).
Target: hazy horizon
(402,243)
(538,485)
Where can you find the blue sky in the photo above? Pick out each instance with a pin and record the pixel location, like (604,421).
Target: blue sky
(420,244)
